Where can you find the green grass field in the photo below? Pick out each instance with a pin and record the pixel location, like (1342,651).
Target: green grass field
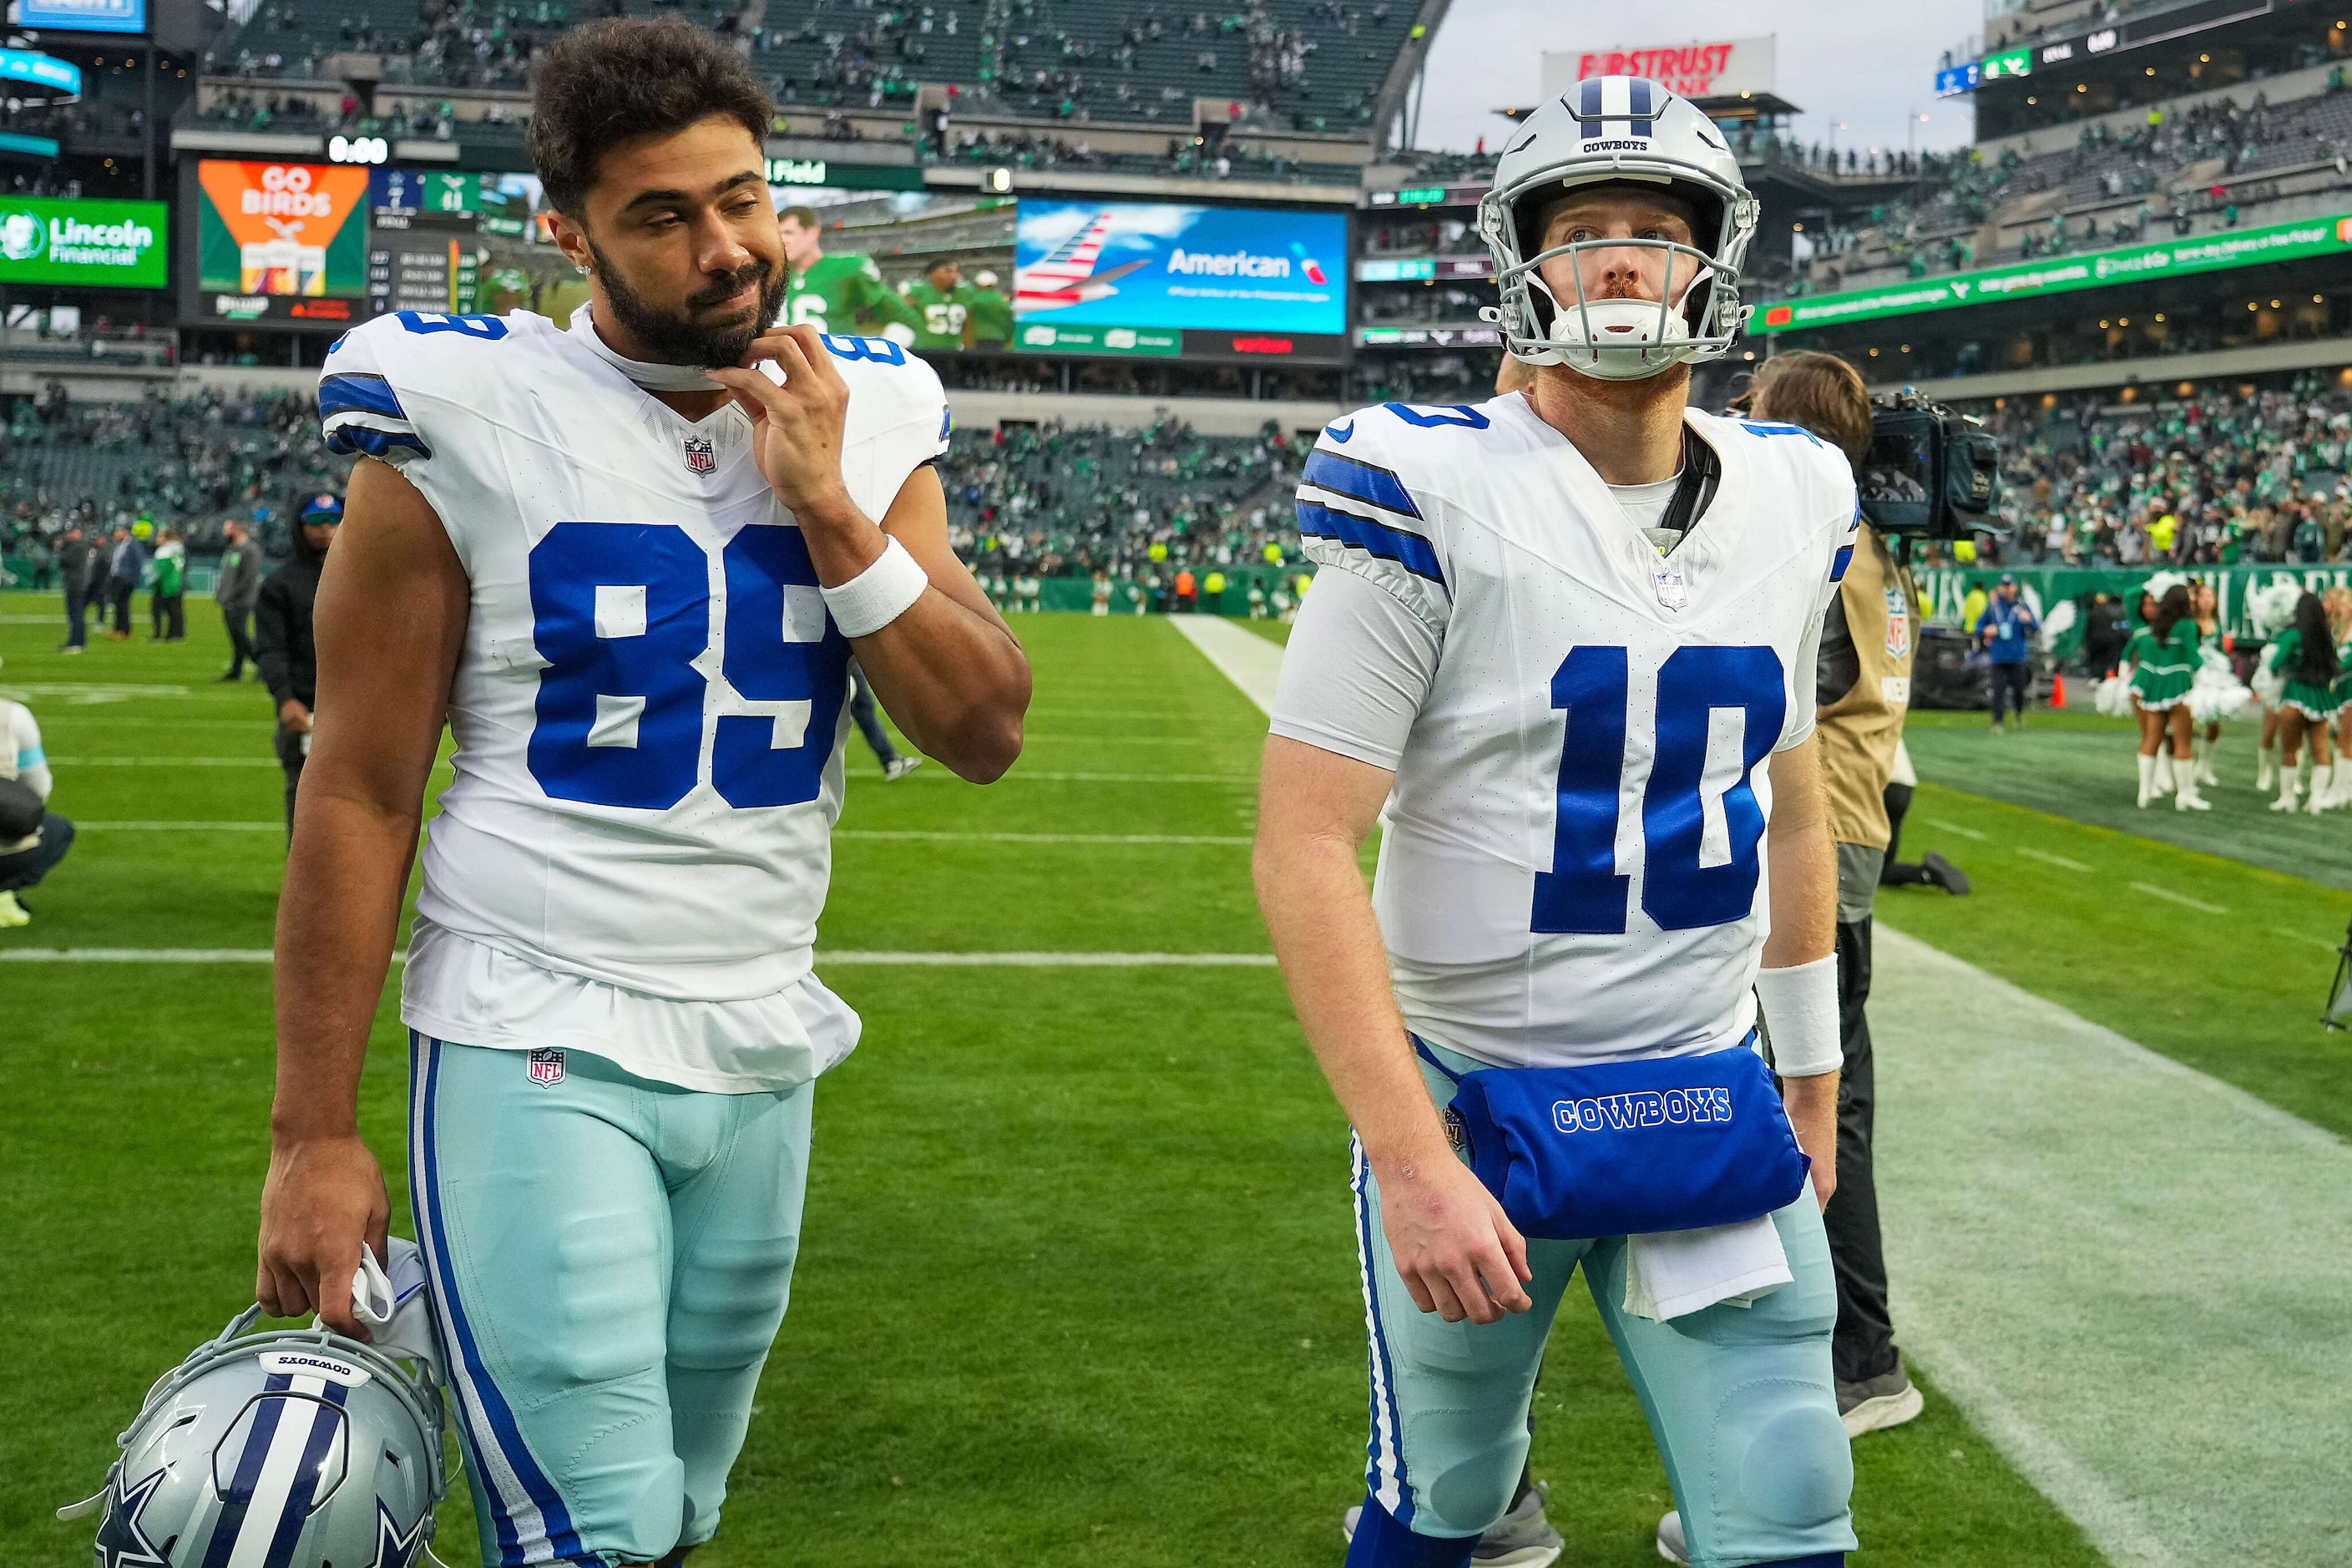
(1078,1284)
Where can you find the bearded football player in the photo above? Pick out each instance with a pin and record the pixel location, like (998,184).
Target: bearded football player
(1563,649)
(631,561)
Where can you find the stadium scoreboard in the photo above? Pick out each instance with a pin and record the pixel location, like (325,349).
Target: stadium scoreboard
(424,261)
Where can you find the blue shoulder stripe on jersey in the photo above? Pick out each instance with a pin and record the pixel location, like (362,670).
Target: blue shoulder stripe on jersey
(947,421)
(1360,482)
(360,439)
(358,391)
(1844,559)
(1409,551)
(31,757)
(1855,526)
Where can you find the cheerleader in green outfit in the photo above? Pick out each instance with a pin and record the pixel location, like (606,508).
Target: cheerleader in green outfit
(2306,657)
(2163,657)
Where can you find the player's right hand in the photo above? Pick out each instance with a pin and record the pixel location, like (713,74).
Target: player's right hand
(294,716)
(324,1199)
(1459,1254)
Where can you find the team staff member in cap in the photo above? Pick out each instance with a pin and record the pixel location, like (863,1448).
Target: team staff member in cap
(2006,629)
(284,653)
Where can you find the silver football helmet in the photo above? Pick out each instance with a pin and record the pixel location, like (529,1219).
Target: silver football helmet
(1607,129)
(296,1447)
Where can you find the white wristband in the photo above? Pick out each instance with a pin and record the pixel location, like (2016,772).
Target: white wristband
(879,595)
(1800,1012)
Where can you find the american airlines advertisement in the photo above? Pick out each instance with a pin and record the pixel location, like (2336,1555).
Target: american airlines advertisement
(1131,277)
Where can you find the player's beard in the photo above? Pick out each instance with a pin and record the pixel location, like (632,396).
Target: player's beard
(678,338)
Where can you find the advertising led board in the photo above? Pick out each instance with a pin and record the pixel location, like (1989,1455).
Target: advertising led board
(294,229)
(84,242)
(2008,62)
(31,69)
(82,15)
(1718,68)
(1958,80)
(2063,274)
(1228,280)
(930,270)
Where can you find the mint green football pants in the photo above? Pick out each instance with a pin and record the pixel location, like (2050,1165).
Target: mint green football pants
(1740,1399)
(610,1260)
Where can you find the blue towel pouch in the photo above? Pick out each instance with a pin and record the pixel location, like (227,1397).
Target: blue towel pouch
(1629,1148)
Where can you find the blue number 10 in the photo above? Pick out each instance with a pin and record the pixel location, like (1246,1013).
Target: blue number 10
(1584,892)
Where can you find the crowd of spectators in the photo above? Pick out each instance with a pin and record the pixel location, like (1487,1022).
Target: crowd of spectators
(192,464)
(2218,477)
(1053,499)
(2180,170)
(1025,57)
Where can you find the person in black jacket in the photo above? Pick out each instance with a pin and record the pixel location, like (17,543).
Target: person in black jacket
(284,651)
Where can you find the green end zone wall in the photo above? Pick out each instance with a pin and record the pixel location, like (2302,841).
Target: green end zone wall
(2063,274)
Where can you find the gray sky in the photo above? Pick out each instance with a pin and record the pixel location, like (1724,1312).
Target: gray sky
(1864,63)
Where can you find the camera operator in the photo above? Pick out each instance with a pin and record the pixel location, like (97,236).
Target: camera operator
(1863,688)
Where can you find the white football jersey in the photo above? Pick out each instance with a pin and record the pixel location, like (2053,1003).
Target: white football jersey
(649,706)
(1572,867)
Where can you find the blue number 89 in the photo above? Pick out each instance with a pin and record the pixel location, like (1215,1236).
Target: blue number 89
(620,612)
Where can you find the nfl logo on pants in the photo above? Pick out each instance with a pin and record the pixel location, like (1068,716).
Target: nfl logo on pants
(547,1066)
(698,455)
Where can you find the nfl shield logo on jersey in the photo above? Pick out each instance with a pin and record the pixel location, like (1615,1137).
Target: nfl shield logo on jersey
(547,1066)
(698,455)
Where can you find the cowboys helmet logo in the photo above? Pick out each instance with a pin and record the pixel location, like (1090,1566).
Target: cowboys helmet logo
(698,455)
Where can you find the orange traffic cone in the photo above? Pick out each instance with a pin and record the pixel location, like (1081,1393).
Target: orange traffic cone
(2058,689)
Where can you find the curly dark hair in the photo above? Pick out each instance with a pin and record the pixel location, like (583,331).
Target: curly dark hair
(624,77)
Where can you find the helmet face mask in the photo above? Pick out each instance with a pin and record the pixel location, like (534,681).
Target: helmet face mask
(1619,131)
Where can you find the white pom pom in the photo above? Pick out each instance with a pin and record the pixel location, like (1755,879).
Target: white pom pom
(2112,698)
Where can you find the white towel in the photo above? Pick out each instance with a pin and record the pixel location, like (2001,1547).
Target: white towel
(1674,1272)
(392,1302)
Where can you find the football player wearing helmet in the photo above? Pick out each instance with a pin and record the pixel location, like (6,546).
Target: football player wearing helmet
(628,564)
(1563,647)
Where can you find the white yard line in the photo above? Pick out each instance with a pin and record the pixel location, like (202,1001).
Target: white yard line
(1953,827)
(164,762)
(1243,657)
(2132,1275)
(2047,859)
(2153,892)
(81,826)
(909,960)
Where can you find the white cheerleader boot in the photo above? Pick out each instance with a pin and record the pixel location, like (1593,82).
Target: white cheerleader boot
(2205,773)
(2165,783)
(2266,770)
(2288,790)
(2187,798)
(2323,789)
(2147,781)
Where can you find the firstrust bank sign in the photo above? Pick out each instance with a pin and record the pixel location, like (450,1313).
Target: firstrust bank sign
(1722,67)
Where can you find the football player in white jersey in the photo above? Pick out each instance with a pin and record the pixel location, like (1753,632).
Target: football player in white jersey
(1561,649)
(631,562)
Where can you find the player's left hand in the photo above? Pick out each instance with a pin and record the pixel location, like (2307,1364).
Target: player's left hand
(796,428)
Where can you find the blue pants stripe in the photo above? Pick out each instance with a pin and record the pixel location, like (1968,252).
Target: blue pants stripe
(468,1364)
(1393,1489)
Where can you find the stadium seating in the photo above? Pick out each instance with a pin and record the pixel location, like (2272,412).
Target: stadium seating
(194,463)
(2199,170)
(1312,65)
(1057,499)
(2087,477)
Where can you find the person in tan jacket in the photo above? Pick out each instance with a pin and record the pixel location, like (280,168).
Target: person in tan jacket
(1863,688)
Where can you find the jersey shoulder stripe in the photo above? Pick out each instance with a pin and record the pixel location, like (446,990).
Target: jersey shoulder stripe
(1358,480)
(361,415)
(1370,535)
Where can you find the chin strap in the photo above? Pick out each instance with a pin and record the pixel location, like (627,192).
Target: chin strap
(653,377)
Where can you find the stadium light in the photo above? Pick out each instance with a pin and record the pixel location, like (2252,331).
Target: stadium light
(1000,181)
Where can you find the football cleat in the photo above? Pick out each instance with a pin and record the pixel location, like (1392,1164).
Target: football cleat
(897,768)
(294,1446)
(1875,1403)
(1522,1538)
(1671,1544)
